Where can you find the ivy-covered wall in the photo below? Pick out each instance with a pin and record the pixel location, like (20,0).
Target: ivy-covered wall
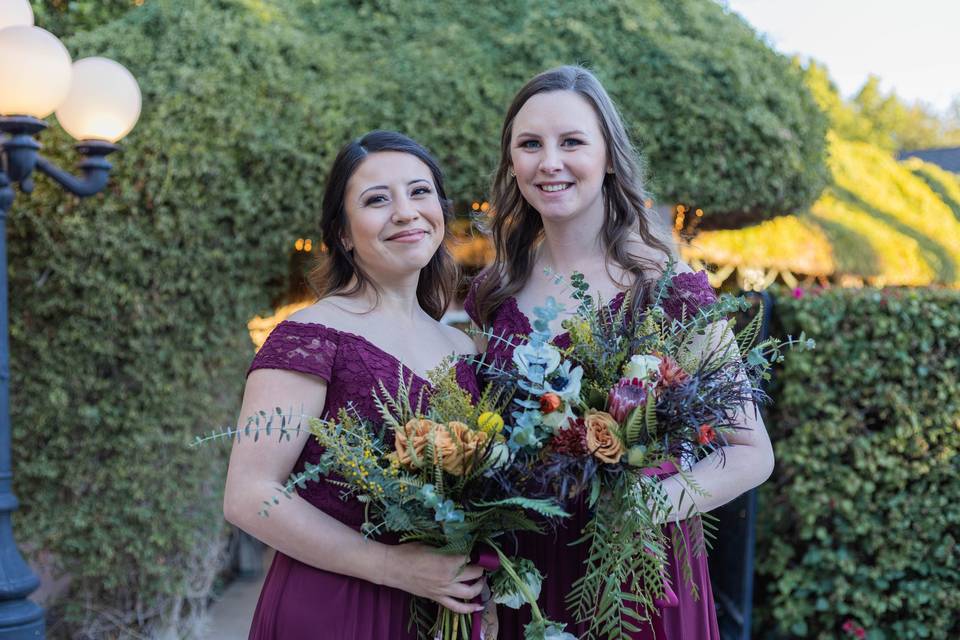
(860,524)
(128,310)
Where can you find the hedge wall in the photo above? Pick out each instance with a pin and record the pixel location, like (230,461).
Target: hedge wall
(860,524)
(128,310)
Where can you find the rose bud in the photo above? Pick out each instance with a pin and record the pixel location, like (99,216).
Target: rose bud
(707,434)
(549,402)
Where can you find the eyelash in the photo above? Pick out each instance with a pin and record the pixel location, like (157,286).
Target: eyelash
(527,144)
(417,191)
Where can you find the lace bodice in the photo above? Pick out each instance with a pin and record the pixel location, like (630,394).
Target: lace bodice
(351,366)
(687,293)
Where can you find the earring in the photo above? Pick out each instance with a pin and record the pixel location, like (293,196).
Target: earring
(513,174)
(610,170)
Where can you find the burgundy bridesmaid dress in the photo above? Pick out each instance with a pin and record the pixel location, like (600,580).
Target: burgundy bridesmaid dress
(555,555)
(298,601)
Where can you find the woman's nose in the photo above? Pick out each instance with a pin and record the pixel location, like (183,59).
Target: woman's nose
(404,211)
(550,160)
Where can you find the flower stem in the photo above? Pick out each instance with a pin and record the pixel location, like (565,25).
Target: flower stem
(521,585)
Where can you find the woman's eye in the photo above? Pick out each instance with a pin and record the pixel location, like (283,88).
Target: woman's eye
(572,142)
(374,200)
(419,191)
(530,144)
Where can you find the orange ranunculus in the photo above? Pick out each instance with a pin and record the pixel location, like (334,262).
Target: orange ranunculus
(549,402)
(600,436)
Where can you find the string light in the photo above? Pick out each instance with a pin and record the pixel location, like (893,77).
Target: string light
(298,245)
(475,206)
(485,206)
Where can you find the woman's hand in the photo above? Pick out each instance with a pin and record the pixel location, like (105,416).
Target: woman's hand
(445,579)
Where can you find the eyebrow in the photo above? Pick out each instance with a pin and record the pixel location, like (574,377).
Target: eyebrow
(383,186)
(573,132)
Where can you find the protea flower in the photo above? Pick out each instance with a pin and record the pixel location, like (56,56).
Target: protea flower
(671,373)
(624,397)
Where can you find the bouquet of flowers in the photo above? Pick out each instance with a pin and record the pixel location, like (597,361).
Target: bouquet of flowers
(425,476)
(634,396)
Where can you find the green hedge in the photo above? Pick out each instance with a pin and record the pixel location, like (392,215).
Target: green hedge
(862,517)
(128,310)
(64,18)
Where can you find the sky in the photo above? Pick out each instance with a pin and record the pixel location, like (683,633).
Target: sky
(912,45)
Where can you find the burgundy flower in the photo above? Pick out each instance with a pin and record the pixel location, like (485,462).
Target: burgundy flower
(848,626)
(860,632)
(624,397)
(572,440)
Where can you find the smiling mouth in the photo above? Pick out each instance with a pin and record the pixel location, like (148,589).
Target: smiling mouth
(553,188)
(413,234)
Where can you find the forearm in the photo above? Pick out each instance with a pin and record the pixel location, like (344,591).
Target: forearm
(300,530)
(717,480)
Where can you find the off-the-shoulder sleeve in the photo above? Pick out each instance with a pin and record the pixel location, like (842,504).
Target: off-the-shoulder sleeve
(689,292)
(297,346)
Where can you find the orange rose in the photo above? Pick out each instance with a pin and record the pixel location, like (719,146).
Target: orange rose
(601,440)
(414,433)
(458,444)
(455,443)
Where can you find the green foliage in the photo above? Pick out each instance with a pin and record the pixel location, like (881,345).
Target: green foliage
(860,521)
(723,121)
(880,119)
(128,310)
(64,18)
(884,221)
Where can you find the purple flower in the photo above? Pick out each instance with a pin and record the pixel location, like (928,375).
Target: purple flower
(624,397)
(798,293)
(689,293)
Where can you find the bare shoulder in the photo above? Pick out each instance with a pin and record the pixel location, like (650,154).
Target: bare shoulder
(463,344)
(334,312)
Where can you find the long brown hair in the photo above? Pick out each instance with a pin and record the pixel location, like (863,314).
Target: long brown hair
(517,227)
(336,269)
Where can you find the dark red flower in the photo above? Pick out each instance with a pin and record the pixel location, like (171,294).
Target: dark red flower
(707,434)
(572,440)
(848,626)
(550,402)
(860,632)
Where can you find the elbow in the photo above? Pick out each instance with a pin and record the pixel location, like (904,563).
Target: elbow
(233,508)
(764,466)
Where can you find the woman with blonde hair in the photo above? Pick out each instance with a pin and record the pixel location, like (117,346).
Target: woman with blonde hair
(568,197)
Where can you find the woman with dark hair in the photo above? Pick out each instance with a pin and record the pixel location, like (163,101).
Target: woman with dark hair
(568,197)
(383,284)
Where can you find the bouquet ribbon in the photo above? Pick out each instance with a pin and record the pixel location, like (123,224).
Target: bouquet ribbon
(488,559)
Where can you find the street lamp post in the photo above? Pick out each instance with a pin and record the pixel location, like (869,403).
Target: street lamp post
(96,101)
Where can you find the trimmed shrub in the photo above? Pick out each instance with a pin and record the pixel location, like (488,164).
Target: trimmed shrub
(889,222)
(860,522)
(129,309)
